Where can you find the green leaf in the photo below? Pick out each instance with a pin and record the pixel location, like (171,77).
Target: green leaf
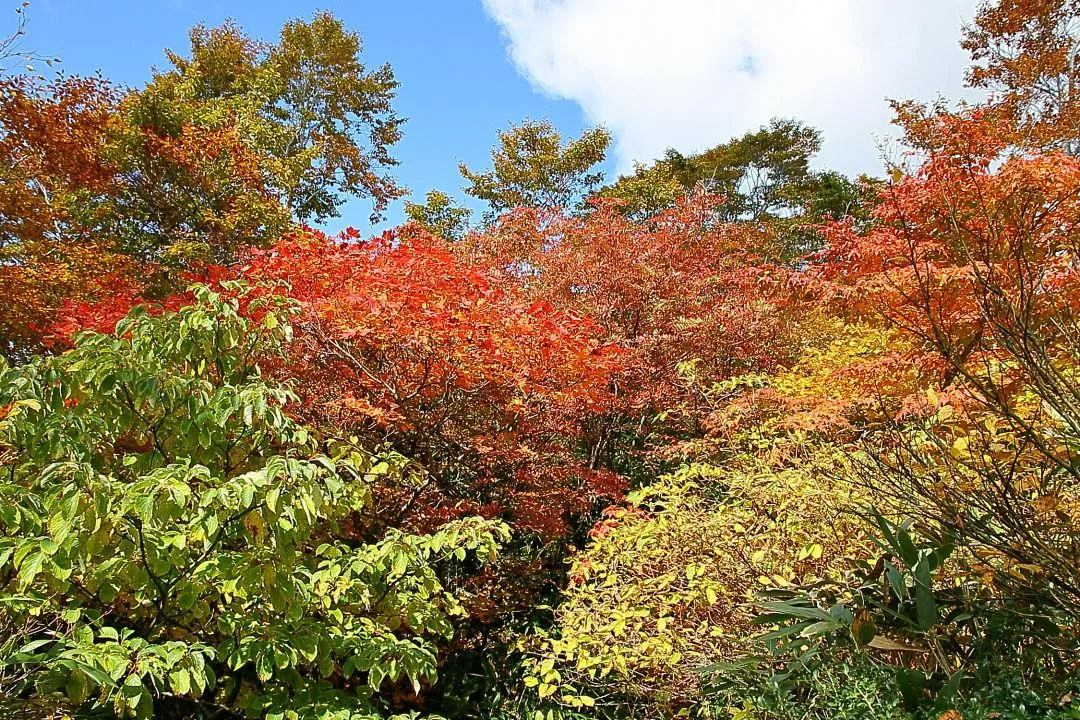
(798,611)
(906,547)
(99,676)
(946,696)
(925,605)
(180,681)
(912,684)
(264,665)
(30,567)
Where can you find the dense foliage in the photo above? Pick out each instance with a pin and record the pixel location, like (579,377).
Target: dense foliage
(727,437)
(107,187)
(169,532)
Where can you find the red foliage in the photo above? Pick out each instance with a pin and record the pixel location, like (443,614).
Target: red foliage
(400,342)
(975,256)
(670,290)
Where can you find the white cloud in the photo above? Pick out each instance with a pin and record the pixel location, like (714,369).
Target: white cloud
(691,73)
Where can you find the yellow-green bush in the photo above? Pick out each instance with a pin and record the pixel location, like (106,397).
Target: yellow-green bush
(667,584)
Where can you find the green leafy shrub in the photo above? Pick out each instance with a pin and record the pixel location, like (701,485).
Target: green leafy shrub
(854,686)
(844,688)
(169,532)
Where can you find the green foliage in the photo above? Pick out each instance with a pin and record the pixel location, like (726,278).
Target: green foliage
(828,196)
(933,637)
(762,177)
(321,120)
(534,168)
(1008,695)
(171,536)
(440,215)
(854,687)
(903,602)
(194,189)
(651,189)
(759,174)
(843,688)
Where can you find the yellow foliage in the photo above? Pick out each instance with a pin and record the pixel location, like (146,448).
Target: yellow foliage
(855,376)
(667,584)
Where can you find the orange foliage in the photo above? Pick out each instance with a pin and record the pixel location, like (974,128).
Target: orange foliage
(404,343)
(1026,52)
(974,257)
(103,192)
(52,141)
(673,289)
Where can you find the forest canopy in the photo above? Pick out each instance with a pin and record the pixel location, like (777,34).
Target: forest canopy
(731,436)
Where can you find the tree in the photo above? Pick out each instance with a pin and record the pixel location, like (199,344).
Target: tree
(670,290)
(534,168)
(106,188)
(52,147)
(763,177)
(9,45)
(401,345)
(761,173)
(1028,53)
(652,189)
(827,197)
(758,175)
(974,260)
(440,216)
(400,342)
(179,540)
(849,380)
(323,122)
(103,191)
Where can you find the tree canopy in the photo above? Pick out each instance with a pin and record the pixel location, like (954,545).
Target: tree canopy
(734,435)
(534,167)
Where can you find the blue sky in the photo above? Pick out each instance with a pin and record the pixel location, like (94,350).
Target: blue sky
(686,74)
(458,86)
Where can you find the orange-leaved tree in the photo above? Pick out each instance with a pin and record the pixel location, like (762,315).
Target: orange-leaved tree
(675,291)
(975,260)
(404,343)
(231,148)
(1027,53)
(101,192)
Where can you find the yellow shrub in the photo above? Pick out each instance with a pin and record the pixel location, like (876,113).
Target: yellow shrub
(667,584)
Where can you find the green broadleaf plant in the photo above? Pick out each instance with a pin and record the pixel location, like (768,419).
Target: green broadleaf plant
(169,533)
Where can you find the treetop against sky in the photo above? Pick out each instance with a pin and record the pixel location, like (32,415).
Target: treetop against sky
(686,75)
